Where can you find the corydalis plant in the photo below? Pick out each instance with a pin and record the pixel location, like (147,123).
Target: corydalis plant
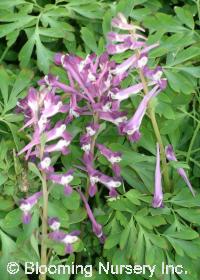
(94,89)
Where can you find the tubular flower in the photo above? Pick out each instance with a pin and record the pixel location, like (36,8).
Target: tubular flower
(54,223)
(63,179)
(97,228)
(68,239)
(27,204)
(171,156)
(110,183)
(158,194)
(132,126)
(113,157)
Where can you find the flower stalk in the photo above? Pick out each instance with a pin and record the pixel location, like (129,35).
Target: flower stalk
(152,117)
(44,259)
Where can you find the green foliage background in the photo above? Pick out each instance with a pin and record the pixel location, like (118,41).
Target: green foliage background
(31,31)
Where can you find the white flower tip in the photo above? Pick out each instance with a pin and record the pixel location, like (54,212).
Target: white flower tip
(45,163)
(66,179)
(55,226)
(25,207)
(69,239)
(142,62)
(115,159)
(86,147)
(90,131)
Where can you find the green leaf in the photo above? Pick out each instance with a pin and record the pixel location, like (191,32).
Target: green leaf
(7,250)
(89,38)
(125,236)
(13,218)
(134,196)
(77,216)
(185,234)
(125,7)
(32,167)
(44,56)
(185,16)
(6,204)
(106,24)
(185,199)
(4,4)
(186,54)
(111,241)
(179,82)
(4,86)
(191,215)
(26,51)
(10,27)
(22,81)
(55,209)
(71,202)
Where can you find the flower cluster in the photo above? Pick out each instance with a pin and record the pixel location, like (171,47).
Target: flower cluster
(135,41)
(151,83)
(39,107)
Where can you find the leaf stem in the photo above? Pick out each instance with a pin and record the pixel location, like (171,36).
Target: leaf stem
(43,256)
(152,117)
(192,142)
(44,224)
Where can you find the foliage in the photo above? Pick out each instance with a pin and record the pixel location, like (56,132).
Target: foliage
(31,32)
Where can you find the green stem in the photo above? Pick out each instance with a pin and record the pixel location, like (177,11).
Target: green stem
(43,256)
(157,134)
(44,224)
(4,53)
(192,142)
(198,8)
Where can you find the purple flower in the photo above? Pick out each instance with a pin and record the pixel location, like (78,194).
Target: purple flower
(121,22)
(54,223)
(113,157)
(171,156)
(116,37)
(27,204)
(158,194)
(92,129)
(120,48)
(124,66)
(60,146)
(45,164)
(127,92)
(63,179)
(85,142)
(132,126)
(67,239)
(115,117)
(92,190)
(97,228)
(110,183)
